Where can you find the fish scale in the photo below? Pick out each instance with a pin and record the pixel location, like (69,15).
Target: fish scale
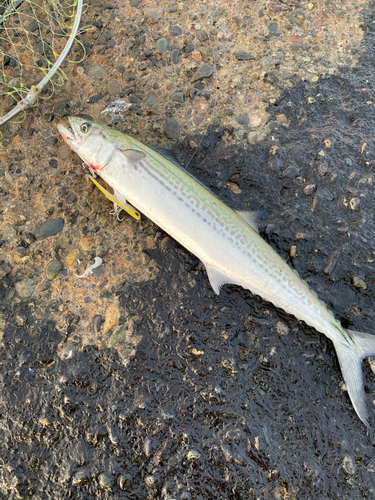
(224,240)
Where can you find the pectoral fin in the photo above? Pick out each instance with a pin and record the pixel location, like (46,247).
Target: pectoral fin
(121,203)
(133,155)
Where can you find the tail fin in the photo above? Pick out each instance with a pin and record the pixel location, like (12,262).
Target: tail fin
(350,359)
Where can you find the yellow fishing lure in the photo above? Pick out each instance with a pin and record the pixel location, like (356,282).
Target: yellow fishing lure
(125,206)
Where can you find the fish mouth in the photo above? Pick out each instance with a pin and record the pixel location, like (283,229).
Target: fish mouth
(67,134)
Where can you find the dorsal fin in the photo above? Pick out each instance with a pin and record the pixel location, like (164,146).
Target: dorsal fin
(170,155)
(251,218)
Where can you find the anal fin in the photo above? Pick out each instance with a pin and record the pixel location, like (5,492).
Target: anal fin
(217,278)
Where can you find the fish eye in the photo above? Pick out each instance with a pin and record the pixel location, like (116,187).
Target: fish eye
(85,127)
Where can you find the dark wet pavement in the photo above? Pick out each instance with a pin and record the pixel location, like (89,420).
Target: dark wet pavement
(226,397)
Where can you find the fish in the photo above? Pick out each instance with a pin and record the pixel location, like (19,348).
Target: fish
(226,241)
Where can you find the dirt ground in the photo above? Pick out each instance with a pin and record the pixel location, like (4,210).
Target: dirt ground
(138,381)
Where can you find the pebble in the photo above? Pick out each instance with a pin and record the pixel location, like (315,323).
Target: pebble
(28,237)
(49,228)
(44,286)
(189,47)
(243,119)
(172,129)
(309,189)
(193,455)
(25,287)
(71,257)
(162,45)
(119,336)
(124,481)
(105,481)
(53,268)
(81,477)
(291,172)
(359,283)
(204,71)
(97,323)
(354,204)
(178,97)
(153,14)
(134,3)
(175,31)
(202,35)
(95,70)
(20,251)
(174,56)
(113,87)
(273,28)
(244,56)
(85,243)
(112,316)
(151,99)
(61,108)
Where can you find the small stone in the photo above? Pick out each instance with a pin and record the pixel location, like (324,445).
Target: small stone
(282,328)
(49,228)
(174,56)
(204,71)
(319,23)
(28,237)
(291,172)
(193,455)
(175,31)
(61,108)
(233,434)
(244,56)
(112,316)
(53,268)
(295,46)
(25,287)
(85,243)
(172,129)
(113,87)
(162,45)
(71,257)
(97,323)
(273,28)
(309,189)
(105,481)
(21,251)
(134,3)
(243,119)
(189,47)
(96,70)
(151,482)
(44,286)
(178,97)
(354,204)
(293,252)
(22,319)
(359,283)
(82,476)
(153,14)
(5,269)
(124,481)
(349,465)
(202,35)
(151,99)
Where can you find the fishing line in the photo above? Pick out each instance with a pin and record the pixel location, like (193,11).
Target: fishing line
(35,38)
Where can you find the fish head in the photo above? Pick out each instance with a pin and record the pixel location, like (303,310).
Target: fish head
(89,140)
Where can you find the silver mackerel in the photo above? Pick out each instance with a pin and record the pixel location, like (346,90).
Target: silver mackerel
(226,241)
